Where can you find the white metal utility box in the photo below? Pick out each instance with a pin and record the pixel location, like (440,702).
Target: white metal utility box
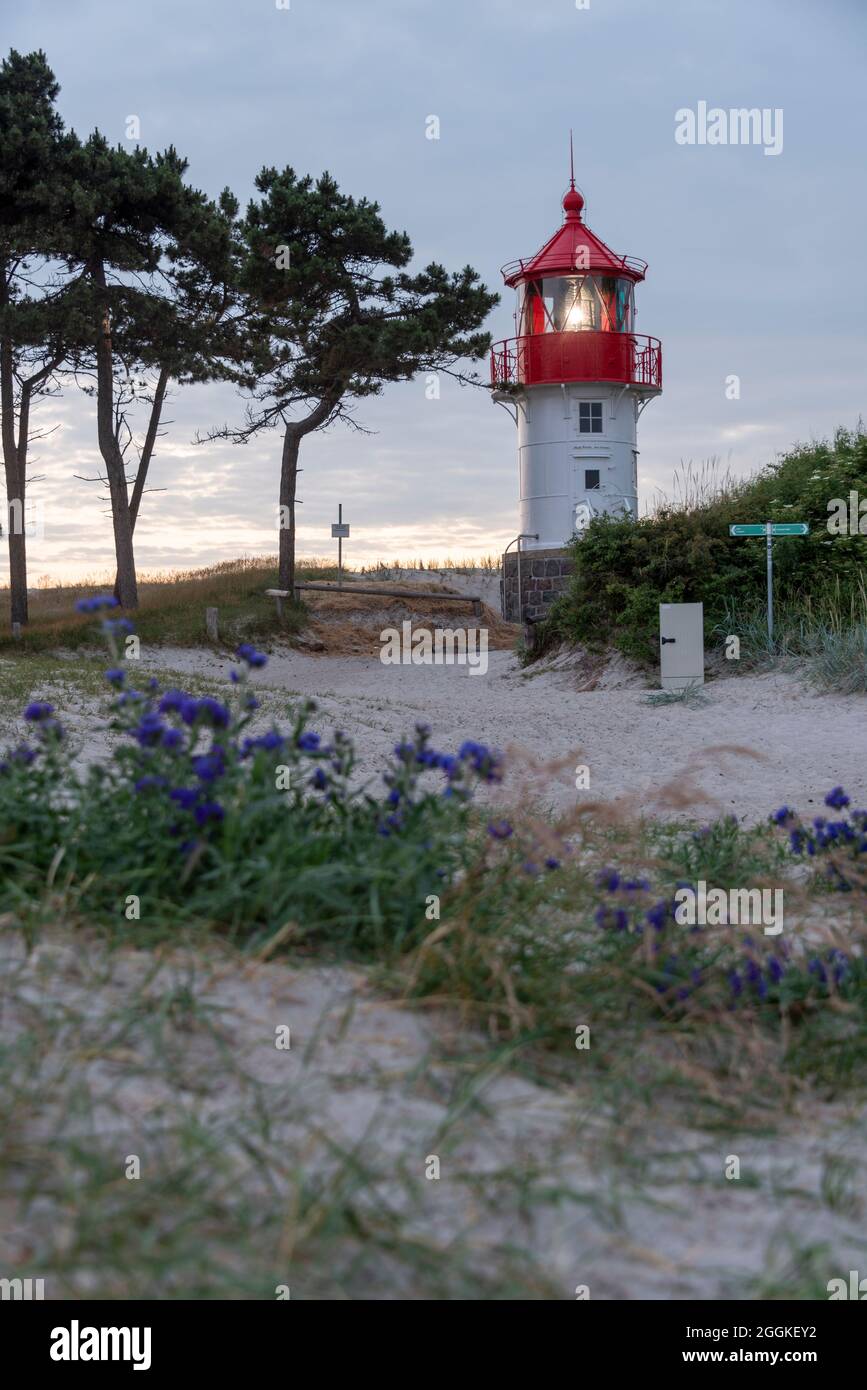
(681,645)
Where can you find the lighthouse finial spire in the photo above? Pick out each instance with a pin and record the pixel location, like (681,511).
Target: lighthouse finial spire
(571,161)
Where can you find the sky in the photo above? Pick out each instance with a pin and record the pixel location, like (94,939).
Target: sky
(755,259)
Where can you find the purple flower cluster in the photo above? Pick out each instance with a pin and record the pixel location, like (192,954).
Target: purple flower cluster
(848,834)
(248,654)
(206,710)
(93,605)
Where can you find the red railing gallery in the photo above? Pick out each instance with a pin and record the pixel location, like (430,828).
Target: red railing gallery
(549,358)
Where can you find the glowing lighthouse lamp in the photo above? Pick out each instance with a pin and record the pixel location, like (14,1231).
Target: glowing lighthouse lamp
(576,378)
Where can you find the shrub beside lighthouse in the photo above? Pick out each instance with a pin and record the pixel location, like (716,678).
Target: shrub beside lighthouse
(575,379)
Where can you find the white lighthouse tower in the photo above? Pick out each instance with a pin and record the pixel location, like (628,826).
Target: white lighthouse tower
(577,377)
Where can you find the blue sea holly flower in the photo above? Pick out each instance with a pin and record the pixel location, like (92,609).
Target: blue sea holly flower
(172,738)
(614,917)
(209,766)
(151,781)
(212,711)
(309,742)
(658,915)
(837,798)
(173,702)
(208,810)
(149,730)
(37,711)
(500,829)
(270,742)
(783,815)
(247,653)
(482,760)
(93,605)
(319,780)
(609,879)
(115,676)
(185,797)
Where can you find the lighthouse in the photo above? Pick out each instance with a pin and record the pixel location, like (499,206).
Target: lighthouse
(575,379)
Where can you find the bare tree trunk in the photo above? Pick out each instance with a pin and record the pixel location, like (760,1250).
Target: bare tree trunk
(14,471)
(146,455)
(150,441)
(288,489)
(295,432)
(127,588)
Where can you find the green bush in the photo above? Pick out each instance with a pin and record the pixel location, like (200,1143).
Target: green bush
(684,554)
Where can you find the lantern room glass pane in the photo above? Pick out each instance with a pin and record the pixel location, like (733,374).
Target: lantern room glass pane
(575,303)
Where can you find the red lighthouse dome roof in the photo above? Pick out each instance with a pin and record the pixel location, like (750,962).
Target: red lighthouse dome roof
(574,247)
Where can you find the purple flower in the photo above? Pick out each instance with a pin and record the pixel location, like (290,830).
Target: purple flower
(149,730)
(270,742)
(151,781)
(115,676)
(817,968)
(482,760)
(209,709)
(209,766)
(500,829)
(309,742)
(173,702)
(783,815)
(615,917)
(93,605)
(658,915)
(208,810)
(837,798)
(185,796)
(609,879)
(248,654)
(37,711)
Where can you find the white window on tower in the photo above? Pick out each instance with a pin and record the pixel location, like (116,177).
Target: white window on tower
(590,417)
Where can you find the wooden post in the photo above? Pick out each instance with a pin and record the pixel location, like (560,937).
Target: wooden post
(16,631)
(211,624)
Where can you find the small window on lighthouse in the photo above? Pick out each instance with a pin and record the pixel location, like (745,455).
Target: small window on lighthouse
(590,417)
(591,479)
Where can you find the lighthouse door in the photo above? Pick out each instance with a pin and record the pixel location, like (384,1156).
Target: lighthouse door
(681,645)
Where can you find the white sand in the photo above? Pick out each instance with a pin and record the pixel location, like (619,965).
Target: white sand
(646,1213)
(759,742)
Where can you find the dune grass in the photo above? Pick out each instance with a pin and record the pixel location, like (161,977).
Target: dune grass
(172,608)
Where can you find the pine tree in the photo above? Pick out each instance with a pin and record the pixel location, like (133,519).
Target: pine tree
(331,315)
(32,346)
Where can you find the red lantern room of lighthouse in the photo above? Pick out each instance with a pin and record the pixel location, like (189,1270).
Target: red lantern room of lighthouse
(575,378)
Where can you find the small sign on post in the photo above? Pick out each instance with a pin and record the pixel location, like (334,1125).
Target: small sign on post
(769,529)
(339,532)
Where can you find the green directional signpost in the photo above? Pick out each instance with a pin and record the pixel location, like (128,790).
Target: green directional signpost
(769,529)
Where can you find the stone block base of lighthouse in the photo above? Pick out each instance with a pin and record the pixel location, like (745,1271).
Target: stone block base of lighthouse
(544,575)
